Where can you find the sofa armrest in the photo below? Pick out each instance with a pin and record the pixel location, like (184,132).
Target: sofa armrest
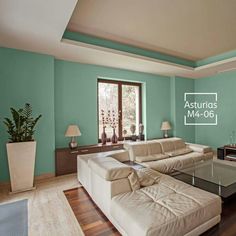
(122,156)
(109,168)
(199,148)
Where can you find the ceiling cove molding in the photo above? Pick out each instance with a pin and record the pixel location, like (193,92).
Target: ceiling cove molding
(128,54)
(85,39)
(227,56)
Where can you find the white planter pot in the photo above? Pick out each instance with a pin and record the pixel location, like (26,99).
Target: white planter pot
(21,161)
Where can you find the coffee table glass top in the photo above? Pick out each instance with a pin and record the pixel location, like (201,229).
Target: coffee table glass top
(215,171)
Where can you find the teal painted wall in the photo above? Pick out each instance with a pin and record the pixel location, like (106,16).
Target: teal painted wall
(179,86)
(66,92)
(76,99)
(28,77)
(224,85)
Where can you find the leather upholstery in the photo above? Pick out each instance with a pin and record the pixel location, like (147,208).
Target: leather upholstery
(169,207)
(165,207)
(153,157)
(109,168)
(134,181)
(166,155)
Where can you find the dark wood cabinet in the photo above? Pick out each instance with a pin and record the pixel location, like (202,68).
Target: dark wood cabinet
(66,158)
(220,153)
(227,152)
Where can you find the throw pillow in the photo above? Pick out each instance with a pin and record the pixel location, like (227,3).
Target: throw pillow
(134,181)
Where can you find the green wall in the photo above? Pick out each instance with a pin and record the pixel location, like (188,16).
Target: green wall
(179,86)
(66,92)
(28,77)
(224,84)
(76,99)
(31,77)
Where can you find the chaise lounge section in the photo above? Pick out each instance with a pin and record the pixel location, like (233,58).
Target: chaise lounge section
(167,155)
(146,202)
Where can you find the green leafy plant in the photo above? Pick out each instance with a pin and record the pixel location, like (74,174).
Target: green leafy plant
(22,126)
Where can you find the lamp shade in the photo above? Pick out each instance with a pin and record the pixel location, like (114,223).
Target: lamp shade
(72,131)
(165,125)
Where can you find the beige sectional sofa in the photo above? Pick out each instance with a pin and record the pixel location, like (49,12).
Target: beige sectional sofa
(146,202)
(166,155)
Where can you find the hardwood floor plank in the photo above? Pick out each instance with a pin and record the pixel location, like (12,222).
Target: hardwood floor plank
(91,219)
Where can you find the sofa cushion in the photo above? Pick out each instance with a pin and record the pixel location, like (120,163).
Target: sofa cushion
(181,151)
(179,144)
(167,146)
(164,166)
(140,149)
(109,168)
(167,208)
(153,157)
(148,177)
(154,148)
(178,162)
(134,181)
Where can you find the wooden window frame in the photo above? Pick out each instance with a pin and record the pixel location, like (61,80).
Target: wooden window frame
(120,83)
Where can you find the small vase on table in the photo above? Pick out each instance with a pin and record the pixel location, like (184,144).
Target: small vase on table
(104,136)
(114,138)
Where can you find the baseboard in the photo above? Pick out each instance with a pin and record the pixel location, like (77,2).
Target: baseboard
(37,179)
(4,185)
(43,177)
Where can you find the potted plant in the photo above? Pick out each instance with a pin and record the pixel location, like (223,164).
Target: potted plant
(21,149)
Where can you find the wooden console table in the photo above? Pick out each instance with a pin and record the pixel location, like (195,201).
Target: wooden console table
(224,152)
(66,158)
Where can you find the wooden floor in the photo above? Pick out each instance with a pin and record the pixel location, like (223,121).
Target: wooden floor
(91,219)
(227,226)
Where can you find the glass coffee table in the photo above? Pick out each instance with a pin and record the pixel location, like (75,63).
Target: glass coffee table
(216,176)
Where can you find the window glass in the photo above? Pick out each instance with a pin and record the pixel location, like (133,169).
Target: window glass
(108,107)
(130,107)
(118,106)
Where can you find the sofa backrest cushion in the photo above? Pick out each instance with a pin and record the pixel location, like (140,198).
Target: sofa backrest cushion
(140,149)
(154,157)
(154,148)
(109,168)
(148,151)
(179,144)
(167,146)
(181,151)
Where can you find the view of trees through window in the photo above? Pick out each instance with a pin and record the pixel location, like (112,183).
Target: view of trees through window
(130,107)
(108,101)
(123,100)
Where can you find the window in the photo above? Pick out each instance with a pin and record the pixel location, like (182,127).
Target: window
(121,100)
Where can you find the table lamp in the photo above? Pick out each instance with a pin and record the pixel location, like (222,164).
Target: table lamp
(165,126)
(73,131)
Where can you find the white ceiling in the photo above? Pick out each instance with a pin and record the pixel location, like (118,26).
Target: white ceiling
(192,29)
(38,26)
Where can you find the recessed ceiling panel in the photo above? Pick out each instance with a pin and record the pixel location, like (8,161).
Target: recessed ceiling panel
(191,29)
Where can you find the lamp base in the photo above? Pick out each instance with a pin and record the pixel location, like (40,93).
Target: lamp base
(165,135)
(73,144)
